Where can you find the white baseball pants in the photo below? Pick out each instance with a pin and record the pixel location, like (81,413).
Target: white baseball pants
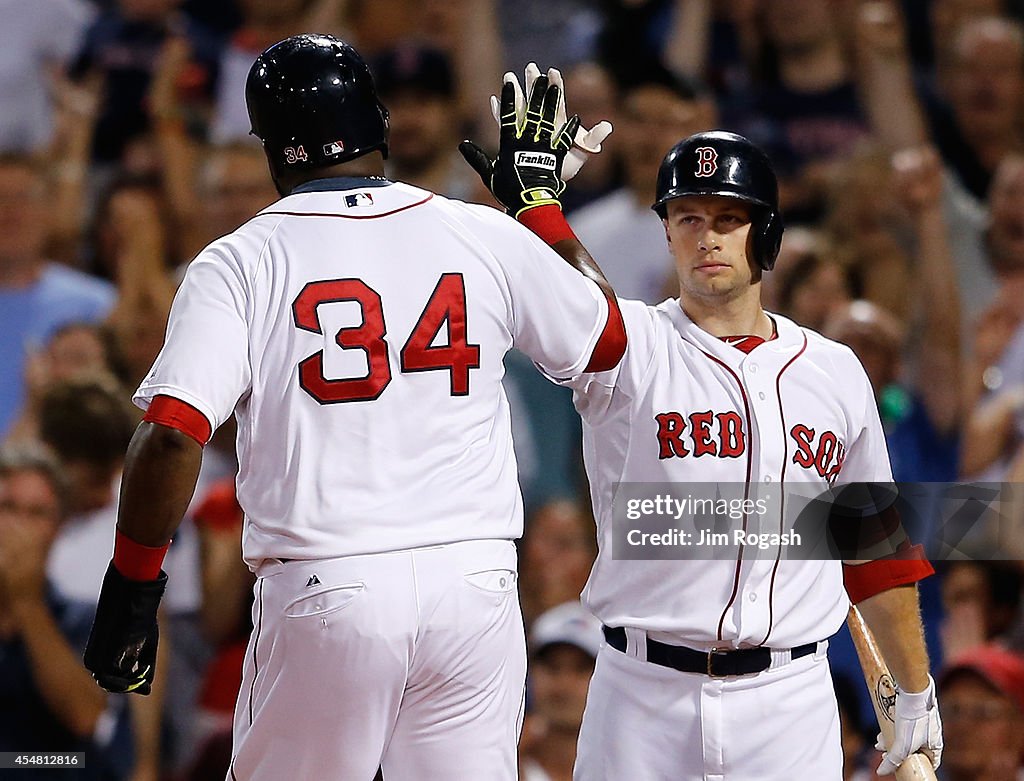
(645,722)
(413,660)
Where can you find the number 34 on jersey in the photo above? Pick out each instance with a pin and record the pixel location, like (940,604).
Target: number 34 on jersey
(446,307)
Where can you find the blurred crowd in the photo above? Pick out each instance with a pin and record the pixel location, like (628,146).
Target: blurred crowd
(897,128)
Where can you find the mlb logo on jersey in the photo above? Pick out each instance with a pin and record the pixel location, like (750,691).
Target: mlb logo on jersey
(334,148)
(359,199)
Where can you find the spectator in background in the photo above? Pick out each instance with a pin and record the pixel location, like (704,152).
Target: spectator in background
(564,642)
(807,285)
(36,297)
(976,119)
(36,39)
(594,98)
(995,380)
(232,186)
(263,22)
(558,550)
(87,424)
(981,601)
(804,108)
(541,31)
(123,46)
(134,247)
(418,86)
(946,18)
(48,700)
(982,696)
(921,415)
(621,231)
(76,351)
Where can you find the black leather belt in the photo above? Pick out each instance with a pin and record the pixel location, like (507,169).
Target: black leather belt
(715,663)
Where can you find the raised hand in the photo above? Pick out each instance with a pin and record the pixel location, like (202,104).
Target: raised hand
(585,142)
(527,172)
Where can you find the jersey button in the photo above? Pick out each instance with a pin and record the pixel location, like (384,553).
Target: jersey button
(767,478)
(752,597)
(753,368)
(761,396)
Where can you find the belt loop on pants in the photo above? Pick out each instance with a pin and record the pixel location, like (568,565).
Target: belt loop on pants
(716,663)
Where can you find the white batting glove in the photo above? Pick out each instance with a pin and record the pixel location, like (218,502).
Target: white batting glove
(585,142)
(917,728)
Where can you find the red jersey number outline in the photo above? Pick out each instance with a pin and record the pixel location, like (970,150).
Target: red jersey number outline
(446,304)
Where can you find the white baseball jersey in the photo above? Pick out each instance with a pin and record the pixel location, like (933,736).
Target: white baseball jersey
(685,407)
(358,333)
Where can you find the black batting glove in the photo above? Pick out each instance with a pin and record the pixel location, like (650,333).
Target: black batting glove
(527,172)
(121,652)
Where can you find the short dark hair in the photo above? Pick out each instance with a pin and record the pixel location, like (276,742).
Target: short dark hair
(87,420)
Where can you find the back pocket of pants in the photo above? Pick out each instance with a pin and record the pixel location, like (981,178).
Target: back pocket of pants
(493,581)
(322,603)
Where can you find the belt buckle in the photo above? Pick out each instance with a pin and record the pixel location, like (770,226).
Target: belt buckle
(711,655)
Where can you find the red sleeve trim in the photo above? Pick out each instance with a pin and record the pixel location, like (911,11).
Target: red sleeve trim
(611,344)
(874,577)
(135,561)
(179,415)
(548,222)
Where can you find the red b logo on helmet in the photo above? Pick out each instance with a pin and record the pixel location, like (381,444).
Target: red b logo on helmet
(707,161)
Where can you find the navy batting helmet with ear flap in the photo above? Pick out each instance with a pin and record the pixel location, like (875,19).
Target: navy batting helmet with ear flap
(312,103)
(721,163)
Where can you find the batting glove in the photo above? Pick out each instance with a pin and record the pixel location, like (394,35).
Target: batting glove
(917,728)
(121,652)
(585,142)
(527,171)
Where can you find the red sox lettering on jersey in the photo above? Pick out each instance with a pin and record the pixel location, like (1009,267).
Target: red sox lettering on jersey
(721,434)
(684,407)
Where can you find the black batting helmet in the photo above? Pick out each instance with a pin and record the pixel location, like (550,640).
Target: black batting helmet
(721,163)
(312,103)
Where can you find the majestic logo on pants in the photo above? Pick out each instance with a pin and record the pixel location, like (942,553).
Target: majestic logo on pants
(707,161)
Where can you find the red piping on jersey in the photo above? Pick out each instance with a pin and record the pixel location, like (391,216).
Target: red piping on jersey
(746,489)
(611,344)
(782,492)
(352,216)
(177,414)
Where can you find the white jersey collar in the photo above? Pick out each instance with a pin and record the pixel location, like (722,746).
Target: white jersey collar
(790,338)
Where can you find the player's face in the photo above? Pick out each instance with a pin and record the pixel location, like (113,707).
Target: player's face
(708,236)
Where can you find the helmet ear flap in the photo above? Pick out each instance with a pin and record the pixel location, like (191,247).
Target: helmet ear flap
(768,229)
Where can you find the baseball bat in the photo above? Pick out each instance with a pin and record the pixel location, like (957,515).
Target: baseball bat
(916,767)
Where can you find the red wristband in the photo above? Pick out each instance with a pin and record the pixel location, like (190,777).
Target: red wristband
(135,561)
(548,222)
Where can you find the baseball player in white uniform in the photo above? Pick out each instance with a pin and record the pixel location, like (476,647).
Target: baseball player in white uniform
(356,329)
(717,669)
